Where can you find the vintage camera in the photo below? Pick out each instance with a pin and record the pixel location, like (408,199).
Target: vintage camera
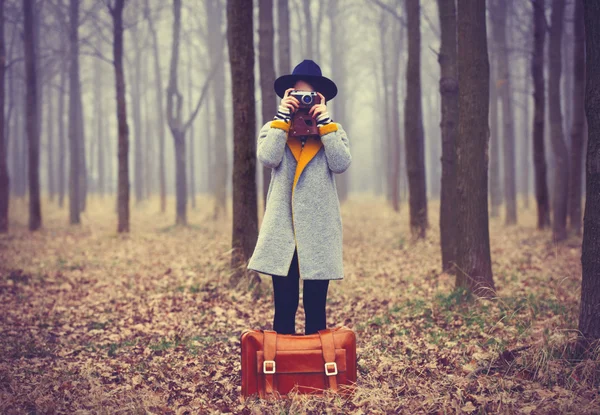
(302,124)
(307,98)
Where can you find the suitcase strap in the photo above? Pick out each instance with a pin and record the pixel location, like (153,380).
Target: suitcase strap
(270,351)
(328,347)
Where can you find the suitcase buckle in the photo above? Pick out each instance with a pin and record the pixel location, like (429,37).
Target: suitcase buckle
(335,371)
(265,370)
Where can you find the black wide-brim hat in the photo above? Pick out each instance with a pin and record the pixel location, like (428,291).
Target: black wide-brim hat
(308,71)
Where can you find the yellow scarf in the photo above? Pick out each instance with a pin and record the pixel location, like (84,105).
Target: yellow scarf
(303,155)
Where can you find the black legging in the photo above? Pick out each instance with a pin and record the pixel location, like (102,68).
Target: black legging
(286,291)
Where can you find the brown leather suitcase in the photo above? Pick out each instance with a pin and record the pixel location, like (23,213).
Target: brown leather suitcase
(274,364)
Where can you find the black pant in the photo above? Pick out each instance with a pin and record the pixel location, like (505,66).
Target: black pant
(286,291)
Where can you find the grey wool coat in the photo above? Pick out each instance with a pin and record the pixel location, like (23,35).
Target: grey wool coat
(303,210)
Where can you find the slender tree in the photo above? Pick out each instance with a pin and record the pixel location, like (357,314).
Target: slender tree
(559,148)
(160,120)
(337,46)
(177,125)
(495,185)
(473,259)
(62,151)
(4,178)
(245,215)
(33,131)
(449,97)
(537,73)
(498,13)
(75,188)
(139,142)
(413,124)
(589,317)
(116,12)
(577,119)
(219,164)
(266,63)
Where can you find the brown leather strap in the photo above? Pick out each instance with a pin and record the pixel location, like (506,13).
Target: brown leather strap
(328,347)
(270,350)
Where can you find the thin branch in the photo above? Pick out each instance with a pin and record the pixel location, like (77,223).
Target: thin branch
(390,10)
(202,94)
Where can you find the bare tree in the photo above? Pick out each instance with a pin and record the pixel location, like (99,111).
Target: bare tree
(160,120)
(33,131)
(577,119)
(4,178)
(498,13)
(267,74)
(559,148)
(139,142)
(589,317)
(214,16)
(62,151)
(473,259)
(177,125)
(339,74)
(75,188)
(413,125)
(116,11)
(537,72)
(245,215)
(283,32)
(449,97)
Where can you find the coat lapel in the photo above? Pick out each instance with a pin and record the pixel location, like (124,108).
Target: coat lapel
(303,155)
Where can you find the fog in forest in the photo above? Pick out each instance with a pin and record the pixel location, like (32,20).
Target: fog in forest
(366,56)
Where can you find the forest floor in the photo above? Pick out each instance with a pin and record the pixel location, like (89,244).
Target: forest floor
(96,322)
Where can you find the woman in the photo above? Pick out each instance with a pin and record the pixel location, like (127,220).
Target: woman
(301,232)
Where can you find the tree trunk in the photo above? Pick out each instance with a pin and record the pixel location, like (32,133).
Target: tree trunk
(267,75)
(474,267)
(138,141)
(100,138)
(4,178)
(180,178)
(337,109)
(50,142)
(307,29)
(74,138)
(589,317)
(559,148)
(216,45)
(448,125)
(498,12)
(33,131)
(394,139)
(539,101)
(495,189)
(160,109)
(241,55)
(386,155)
(21,140)
(62,150)
(413,125)
(524,159)
(283,32)
(191,187)
(123,129)
(577,116)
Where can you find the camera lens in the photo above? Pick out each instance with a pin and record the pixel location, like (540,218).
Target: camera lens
(307,99)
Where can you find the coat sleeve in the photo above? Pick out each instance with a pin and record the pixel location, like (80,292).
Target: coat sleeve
(272,139)
(337,147)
